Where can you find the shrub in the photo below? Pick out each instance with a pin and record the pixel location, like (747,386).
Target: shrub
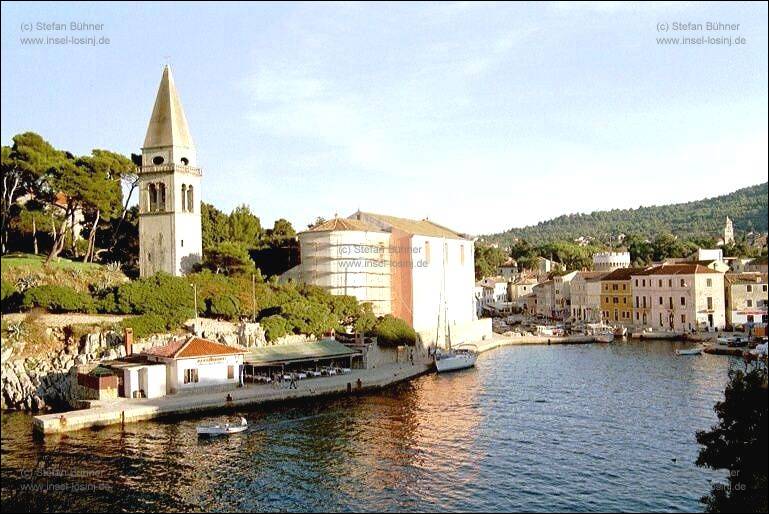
(159,294)
(275,327)
(392,331)
(9,297)
(365,321)
(308,317)
(225,306)
(58,299)
(146,325)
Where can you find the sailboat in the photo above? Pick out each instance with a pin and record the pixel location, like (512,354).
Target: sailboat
(450,359)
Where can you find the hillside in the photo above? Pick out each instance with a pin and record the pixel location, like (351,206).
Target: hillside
(702,218)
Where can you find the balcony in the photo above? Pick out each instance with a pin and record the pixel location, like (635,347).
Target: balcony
(170,168)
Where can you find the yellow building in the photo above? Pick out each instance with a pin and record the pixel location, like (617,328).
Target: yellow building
(617,297)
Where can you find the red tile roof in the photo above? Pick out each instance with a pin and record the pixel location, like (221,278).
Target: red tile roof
(623,273)
(193,347)
(677,269)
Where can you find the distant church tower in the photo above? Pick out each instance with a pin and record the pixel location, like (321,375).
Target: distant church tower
(728,232)
(170,235)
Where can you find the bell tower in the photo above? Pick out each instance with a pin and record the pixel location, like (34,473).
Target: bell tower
(170,234)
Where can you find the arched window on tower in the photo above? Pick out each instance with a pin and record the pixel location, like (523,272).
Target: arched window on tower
(161,197)
(184,197)
(153,200)
(190,200)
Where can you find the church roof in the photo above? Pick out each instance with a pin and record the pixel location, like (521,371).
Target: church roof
(415,227)
(168,124)
(336,224)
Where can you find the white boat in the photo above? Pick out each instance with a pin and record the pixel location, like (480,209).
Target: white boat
(215,429)
(450,360)
(604,337)
(620,331)
(759,350)
(697,350)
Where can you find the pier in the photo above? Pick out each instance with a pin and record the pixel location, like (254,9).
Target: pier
(125,410)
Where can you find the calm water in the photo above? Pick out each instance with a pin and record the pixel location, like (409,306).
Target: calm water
(587,428)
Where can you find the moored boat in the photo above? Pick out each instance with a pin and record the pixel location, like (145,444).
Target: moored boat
(214,429)
(454,359)
(620,331)
(697,350)
(604,337)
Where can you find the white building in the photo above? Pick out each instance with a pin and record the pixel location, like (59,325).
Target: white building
(728,232)
(508,269)
(708,254)
(416,270)
(609,261)
(586,296)
(544,298)
(679,297)
(746,298)
(170,233)
(197,364)
(561,299)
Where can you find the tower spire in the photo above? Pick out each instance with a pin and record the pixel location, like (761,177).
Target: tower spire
(168,124)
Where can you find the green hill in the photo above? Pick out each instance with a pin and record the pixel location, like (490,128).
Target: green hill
(702,218)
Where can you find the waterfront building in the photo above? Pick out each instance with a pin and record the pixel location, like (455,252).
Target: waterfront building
(561,301)
(586,296)
(139,377)
(543,302)
(745,298)
(679,297)
(197,364)
(170,233)
(609,261)
(416,270)
(522,286)
(616,297)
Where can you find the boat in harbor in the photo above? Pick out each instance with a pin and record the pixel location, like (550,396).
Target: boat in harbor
(604,337)
(654,334)
(620,331)
(454,359)
(697,350)
(216,429)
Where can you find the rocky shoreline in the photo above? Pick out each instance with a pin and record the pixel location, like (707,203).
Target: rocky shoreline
(48,380)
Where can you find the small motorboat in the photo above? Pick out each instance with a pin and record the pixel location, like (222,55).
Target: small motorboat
(215,429)
(697,350)
(620,331)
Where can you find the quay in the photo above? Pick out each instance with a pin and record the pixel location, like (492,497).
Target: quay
(125,410)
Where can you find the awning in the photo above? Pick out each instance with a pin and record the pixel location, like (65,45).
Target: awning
(287,353)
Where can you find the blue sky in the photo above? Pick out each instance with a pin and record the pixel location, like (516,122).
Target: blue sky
(478,116)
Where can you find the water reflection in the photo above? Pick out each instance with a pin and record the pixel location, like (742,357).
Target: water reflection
(589,427)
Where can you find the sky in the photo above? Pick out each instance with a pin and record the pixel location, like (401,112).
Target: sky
(478,116)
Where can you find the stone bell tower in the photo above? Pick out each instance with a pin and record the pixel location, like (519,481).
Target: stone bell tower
(170,234)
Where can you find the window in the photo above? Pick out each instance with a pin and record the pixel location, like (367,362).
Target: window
(182,243)
(637,302)
(659,283)
(670,302)
(184,197)
(709,282)
(190,376)
(616,299)
(750,303)
(624,287)
(763,288)
(643,282)
(636,282)
(185,161)
(636,316)
(190,200)
(710,303)
(670,282)
(750,318)
(157,160)
(683,318)
(153,198)
(660,300)
(161,197)
(750,288)
(683,283)
(683,300)
(230,372)
(615,287)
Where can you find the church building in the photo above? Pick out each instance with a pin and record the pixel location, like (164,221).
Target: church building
(170,234)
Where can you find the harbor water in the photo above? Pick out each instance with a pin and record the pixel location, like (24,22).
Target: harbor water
(598,427)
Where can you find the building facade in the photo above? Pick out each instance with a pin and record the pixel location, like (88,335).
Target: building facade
(745,298)
(616,297)
(679,297)
(425,272)
(586,296)
(170,232)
